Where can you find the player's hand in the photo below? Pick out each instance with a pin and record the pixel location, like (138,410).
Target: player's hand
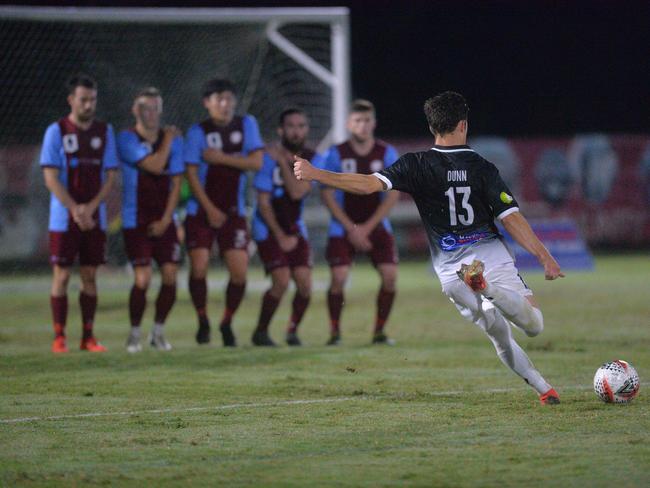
(216,217)
(212,155)
(359,239)
(82,214)
(171,131)
(287,243)
(302,169)
(552,269)
(157,228)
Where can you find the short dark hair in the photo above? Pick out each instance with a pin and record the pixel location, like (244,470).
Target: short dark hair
(80,79)
(149,91)
(290,111)
(217,85)
(444,111)
(362,105)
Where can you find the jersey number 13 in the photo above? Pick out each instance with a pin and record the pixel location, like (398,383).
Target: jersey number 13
(467,215)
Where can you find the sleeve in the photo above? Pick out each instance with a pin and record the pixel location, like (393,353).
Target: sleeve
(176,159)
(318,161)
(51,151)
(194,145)
(332,160)
(390,156)
(110,153)
(130,150)
(499,196)
(398,176)
(264,177)
(252,138)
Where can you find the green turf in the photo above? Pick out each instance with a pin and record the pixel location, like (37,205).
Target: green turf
(438,409)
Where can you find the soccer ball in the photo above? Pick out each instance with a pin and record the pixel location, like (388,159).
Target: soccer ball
(616,382)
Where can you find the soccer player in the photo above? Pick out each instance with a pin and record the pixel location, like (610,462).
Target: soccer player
(278,227)
(359,222)
(152,166)
(458,195)
(79,160)
(218,153)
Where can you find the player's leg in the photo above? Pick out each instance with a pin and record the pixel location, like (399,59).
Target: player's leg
(164,303)
(302,278)
(336,300)
(138,251)
(92,253)
(137,305)
(233,240)
(236,261)
(339,254)
(59,306)
(88,305)
(64,247)
(166,252)
(505,288)
(481,312)
(199,240)
(270,301)
(385,299)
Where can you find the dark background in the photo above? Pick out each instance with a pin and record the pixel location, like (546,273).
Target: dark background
(527,67)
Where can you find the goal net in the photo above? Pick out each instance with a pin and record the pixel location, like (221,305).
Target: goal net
(276,57)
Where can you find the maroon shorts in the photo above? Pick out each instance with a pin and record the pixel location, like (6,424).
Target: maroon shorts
(90,245)
(340,252)
(140,247)
(273,257)
(233,234)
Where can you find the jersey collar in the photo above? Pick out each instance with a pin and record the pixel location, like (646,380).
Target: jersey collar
(451,149)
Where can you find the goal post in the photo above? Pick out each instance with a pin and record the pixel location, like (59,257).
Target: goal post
(277,57)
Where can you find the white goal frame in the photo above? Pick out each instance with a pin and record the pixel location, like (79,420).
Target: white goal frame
(337,78)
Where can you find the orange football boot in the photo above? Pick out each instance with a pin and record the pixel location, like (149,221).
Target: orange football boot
(549,398)
(59,346)
(90,344)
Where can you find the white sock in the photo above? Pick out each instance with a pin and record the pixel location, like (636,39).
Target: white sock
(158,329)
(135,330)
(516,308)
(510,353)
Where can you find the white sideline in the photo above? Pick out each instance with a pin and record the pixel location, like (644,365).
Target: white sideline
(271,404)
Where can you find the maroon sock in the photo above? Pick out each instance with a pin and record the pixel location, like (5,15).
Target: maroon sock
(298,308)
(384,304)
(335,306)
(199,293)
(269,306)
(59,306)
(137,304)
(234,296)
(164,302)
(88,304)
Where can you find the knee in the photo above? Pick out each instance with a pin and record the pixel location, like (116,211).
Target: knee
(537,323)
(279,285)
(142,280)
(338,282)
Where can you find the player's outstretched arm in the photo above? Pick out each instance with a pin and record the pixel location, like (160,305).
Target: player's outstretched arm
(518,227)
(349,182)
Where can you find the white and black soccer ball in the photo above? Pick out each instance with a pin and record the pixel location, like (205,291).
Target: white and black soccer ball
(616,382)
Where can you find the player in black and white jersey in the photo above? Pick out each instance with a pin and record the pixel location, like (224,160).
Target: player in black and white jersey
(459,195)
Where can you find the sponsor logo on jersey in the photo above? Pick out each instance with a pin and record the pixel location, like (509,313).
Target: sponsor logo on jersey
(505,198)
(449,242)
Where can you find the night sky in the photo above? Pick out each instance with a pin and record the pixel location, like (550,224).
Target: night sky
(526,67)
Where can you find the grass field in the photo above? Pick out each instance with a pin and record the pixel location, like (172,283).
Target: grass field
(438,409)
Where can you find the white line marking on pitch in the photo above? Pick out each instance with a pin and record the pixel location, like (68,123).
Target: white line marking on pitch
(270,404)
